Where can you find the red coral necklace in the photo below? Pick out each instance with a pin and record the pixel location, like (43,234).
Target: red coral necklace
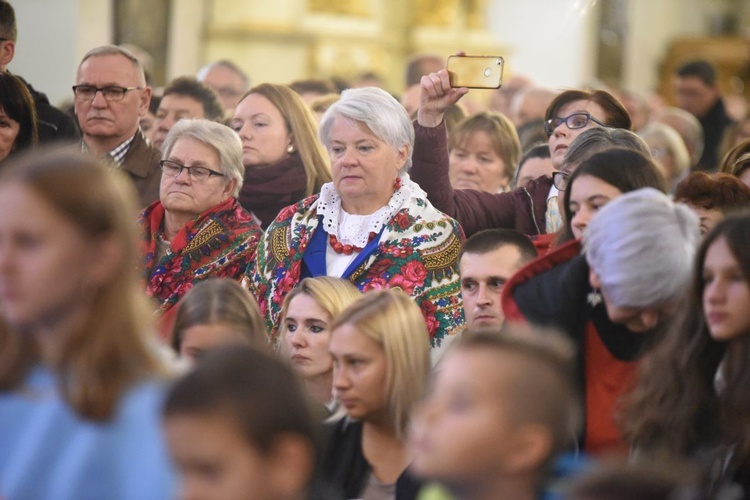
(340,248)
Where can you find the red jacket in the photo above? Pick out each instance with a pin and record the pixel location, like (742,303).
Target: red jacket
(554,291)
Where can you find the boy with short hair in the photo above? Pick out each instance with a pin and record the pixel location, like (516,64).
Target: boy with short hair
(502,407)
(239,427)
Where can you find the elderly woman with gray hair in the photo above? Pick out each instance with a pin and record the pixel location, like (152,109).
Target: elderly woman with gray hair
(611,299)
(371,225)
(197,229)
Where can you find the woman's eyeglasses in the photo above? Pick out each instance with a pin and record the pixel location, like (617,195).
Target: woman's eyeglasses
(199,174)
(573,122)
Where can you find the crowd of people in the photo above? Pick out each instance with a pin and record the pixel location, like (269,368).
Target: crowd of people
(321,291)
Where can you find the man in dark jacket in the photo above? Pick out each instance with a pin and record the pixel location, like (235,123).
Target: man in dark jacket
(52,124)
(696,92)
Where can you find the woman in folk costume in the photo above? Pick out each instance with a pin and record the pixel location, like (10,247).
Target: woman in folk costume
(197,230)
(371,225)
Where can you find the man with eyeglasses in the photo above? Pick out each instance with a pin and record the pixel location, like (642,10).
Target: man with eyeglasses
(53,125)
(110,96)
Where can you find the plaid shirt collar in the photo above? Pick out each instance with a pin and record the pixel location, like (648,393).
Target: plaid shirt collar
(117,155)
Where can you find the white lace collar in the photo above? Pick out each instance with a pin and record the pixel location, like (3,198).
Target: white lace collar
(355,230)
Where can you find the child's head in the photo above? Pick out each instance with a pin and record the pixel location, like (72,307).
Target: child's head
(239,426)
(216,312)
(501,406)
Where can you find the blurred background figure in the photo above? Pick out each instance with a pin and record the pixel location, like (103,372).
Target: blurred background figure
(185,97)
(320,105)
(697,92)
(501,99)
(227,80)
(214,313)
(668,151)
(712,196)
(530,105)
(637,106)
(81,385)
(416,67)
(734,135)
(620,480)
(737,162)
(535,162)
(146,122)
(369,79)
(689,129)
(306,317)
(309,90)
(239,428)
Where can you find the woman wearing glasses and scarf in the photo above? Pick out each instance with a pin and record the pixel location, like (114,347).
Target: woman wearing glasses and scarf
(524,209)
(197,230)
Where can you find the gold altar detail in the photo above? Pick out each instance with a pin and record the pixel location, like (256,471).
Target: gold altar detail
(288,40)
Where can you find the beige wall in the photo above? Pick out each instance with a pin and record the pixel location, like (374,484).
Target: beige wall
(280,40)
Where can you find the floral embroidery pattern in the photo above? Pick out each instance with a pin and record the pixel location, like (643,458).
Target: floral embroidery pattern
(220,243)
(417,253)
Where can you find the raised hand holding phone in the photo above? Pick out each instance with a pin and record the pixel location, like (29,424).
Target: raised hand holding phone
(436,95)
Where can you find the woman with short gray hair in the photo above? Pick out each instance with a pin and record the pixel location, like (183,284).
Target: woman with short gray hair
(611,299)
(197,229)
(372,225)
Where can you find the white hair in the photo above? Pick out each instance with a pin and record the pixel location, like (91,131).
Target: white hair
(379,111)
(219,137)
(641,246)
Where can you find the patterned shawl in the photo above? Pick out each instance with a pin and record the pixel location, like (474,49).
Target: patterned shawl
(219,243)
(418,253)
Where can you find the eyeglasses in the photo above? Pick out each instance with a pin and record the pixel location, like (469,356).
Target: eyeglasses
(574,121)
(113,93)
(198,174)
(560,180)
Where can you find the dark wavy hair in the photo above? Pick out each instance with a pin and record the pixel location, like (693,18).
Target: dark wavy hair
(616,114)
(723,191)
(17,103)
(674,409)
(623,168)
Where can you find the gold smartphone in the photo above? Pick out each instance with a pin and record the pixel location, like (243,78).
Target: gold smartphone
(476,72)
